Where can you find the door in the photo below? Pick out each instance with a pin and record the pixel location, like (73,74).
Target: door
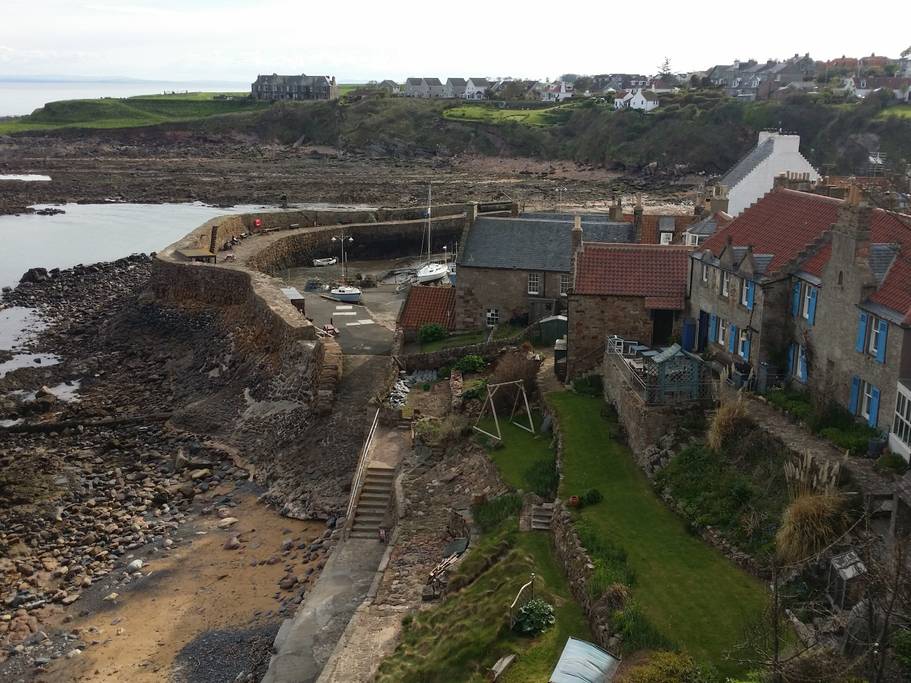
(703,336)
(662,327)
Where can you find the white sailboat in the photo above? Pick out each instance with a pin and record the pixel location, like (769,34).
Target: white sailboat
(430,271)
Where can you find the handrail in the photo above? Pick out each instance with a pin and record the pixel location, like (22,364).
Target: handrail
(359,474)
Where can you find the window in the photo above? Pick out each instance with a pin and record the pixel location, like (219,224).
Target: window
(866,404)
(871,336)
(667,237)
(725,283)
(743,345)
(534,283)
(807,301)
(722,331)
(875,335)
(901,426)
(493,317)
(744,293)
(564,283)
(705,273)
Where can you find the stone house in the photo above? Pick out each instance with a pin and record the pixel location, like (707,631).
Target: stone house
(302,87)
(862,86)
(454,88)
(816,291)
(755,174)
(476,89)
(635,291)
(519,269)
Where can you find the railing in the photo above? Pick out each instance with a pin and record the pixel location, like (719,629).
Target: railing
(359,475)
(525,594)
(650,389)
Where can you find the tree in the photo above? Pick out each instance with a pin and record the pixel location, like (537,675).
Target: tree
(664,69)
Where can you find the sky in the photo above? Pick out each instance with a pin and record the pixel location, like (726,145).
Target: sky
(358,41)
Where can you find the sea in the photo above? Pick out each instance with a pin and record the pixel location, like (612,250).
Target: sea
(21,96)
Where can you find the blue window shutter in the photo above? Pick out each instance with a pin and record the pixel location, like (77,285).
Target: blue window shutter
(751,292)
(861,333)
(791,358)
(855,394)
(732,338)
(713,327)
(795,300)
(746,349)
(881,341)
(803,364)
(874,407)
(812,311)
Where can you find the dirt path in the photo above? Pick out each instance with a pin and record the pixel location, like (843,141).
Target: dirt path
(198,588)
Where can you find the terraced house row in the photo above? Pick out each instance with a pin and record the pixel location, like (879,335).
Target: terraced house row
(814,291)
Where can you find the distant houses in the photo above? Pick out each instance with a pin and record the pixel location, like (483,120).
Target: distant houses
(898,86)
(276,87)
(751,80)
(639,99)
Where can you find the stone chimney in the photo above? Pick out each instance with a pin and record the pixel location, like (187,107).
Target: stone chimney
(575,245)
(637,220)
(851,241)
(719,200)
(616,209)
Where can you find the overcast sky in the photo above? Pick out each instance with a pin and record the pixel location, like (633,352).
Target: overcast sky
(358,41)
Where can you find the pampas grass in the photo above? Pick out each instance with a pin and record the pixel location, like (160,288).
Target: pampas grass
(809,523)
(727,421)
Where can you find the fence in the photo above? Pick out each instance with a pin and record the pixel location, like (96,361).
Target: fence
(679,379)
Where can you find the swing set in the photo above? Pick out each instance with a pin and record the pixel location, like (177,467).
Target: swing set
(492,389)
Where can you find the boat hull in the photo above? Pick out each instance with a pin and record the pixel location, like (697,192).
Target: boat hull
(349,297)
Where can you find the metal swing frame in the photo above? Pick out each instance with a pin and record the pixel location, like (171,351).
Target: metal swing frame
(491,392)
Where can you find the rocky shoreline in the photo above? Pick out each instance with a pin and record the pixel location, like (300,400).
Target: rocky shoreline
(94,485)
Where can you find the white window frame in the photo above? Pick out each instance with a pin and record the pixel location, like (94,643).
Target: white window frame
(536,278)
(564,284)
(873,335)
(492,317)
(807,290)
(722,332)
(705,273)
(743,292)
(866,399)
(725,283)
(667,238)
(743,337)
(901,424)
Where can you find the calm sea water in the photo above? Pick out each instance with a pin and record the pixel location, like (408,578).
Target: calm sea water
(23,97)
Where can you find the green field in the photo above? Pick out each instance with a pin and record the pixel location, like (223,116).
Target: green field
(485,113)
(900,110)
(144,110)
(690,592)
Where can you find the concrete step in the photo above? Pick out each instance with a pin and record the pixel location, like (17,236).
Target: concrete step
(364,533)
(376,490)
(374,497)
(539,526)
(369,516)
(379,509)
(382,472)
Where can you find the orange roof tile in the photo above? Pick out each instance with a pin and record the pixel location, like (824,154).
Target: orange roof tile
(426,305)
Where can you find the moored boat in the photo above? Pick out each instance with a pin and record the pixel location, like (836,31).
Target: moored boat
(430,272)
(331,261)
(346,293)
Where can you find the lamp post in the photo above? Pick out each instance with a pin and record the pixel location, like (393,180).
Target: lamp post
(445,261)
(341,240)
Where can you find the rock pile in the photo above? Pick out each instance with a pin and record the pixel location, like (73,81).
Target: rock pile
(398,397)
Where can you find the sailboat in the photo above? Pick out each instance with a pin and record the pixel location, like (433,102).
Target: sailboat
(430,271)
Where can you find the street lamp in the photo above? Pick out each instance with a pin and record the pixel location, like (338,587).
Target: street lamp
(341,241)
(444,254)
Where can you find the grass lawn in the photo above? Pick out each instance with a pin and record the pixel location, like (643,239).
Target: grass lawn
(462,339)
(691,593)
(483,113)
(520,450)
(128,112)
(458,639)
(901,110)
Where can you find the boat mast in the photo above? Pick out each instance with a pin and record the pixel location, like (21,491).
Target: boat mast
(429,210)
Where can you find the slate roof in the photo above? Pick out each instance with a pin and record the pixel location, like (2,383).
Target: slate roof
(432,81)
(745,166)
(710,224)
(533,244)
(657,273)
(785,222)
(479,82)
(414,81)
(425,305)
(456,81)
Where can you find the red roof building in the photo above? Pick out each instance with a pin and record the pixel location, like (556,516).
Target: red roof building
(427,305)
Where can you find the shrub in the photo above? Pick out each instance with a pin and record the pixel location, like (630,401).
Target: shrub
(543,479)
(796,403)
(729,420)
(470,363)
(662,667)
(853,438)
(609,560)
(592,385)
(592,497)
(535,617)
(432,332)
(491,513)
(901,647)
(636,631)
(891,463)
(809,523)
(478,390)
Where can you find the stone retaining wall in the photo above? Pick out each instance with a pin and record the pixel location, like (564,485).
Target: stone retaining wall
(438,359)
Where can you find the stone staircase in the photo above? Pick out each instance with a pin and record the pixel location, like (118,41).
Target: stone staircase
(541,516)
(373,502)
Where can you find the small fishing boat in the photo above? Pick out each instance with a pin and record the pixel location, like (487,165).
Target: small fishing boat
(346,293)
(331,261)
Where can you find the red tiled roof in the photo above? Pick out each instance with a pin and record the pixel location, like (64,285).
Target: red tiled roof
(657,273)
(784,222)
(425,305)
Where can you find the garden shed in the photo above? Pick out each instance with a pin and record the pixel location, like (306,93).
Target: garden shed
(661,376)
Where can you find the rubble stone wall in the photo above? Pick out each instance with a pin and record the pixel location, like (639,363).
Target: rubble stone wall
(438,359)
